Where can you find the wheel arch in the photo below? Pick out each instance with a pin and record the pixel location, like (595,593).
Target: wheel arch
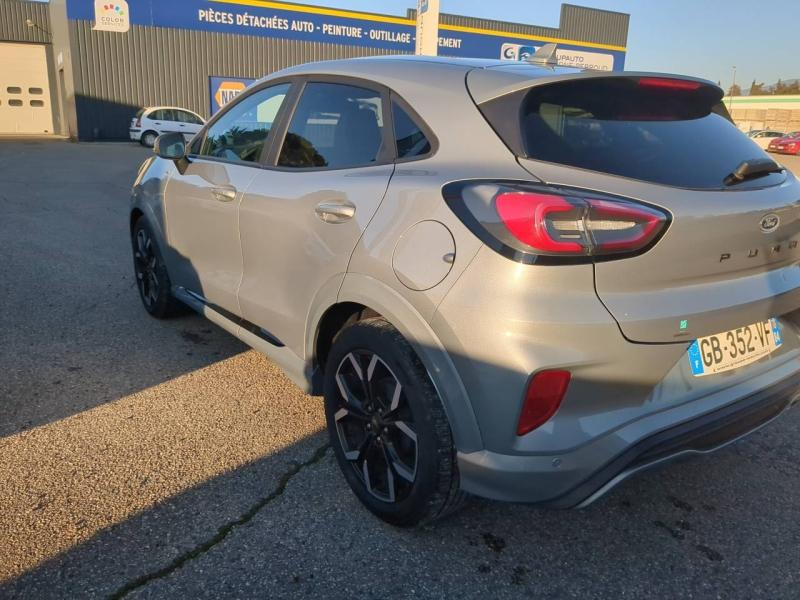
(136,214)
(145,132)
(361,297)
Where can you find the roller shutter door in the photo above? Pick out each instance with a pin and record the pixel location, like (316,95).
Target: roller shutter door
(25,106)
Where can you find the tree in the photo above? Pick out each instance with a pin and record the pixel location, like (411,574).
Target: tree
(756,88)
(735,90)
(784,89)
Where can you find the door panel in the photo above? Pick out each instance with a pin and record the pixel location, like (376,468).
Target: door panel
(290,252)
(301,221)
(202,229)
(203,203)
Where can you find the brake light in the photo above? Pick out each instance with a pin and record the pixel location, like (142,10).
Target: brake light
(529,224)
(536,220)
(667,83)
(546,391)
(138,121)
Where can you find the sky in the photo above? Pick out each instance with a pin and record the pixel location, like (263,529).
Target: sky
(704,38)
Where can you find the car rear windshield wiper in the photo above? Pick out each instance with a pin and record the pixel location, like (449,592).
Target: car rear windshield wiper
(755,167)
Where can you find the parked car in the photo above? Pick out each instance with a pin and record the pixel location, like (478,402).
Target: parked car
(151,122)
(521,282)
(763,138)
(788,144)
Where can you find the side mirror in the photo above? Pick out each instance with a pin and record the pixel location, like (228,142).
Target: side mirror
(171,146)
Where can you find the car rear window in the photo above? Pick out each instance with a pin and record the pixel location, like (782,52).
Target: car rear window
(666,131)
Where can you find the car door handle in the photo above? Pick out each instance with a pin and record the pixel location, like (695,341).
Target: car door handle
(335,212)
(224,194)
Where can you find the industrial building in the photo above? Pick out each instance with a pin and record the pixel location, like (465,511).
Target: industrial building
(82,68)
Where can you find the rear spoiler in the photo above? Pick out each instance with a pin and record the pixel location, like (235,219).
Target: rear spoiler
(488,83)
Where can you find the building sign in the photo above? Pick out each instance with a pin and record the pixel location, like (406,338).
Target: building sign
(224,89)
(328,25)
(597,61)
(111,16)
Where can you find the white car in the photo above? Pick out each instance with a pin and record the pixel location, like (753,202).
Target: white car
(151,122)
(763,138)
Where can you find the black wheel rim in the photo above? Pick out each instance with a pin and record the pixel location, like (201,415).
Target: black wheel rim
(146,263)
(375,426)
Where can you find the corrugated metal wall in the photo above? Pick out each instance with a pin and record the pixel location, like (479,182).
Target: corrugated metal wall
(577,23)
(448,19)
(600,26)
(13,16)
(116,74)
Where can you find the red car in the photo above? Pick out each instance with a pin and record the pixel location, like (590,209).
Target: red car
(788,144)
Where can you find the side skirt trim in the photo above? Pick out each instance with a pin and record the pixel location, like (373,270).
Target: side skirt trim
(193,299)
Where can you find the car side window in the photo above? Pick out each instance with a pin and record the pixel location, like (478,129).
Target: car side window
(242,131)
(334,126)
(156,115)
(186,117)
(409,138)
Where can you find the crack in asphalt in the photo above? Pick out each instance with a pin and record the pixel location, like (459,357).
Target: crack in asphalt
(222,532)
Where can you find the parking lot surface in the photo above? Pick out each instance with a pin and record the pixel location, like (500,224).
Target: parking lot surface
(164,459)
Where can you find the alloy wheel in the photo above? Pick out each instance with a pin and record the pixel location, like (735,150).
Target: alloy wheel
(146,263)
(375,426)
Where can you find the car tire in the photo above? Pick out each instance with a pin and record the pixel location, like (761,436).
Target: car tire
(152,279)
(148,138)
(388,428)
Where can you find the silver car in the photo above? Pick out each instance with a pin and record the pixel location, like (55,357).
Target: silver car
(521,282)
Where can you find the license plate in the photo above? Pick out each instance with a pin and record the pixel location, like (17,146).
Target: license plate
(735,348)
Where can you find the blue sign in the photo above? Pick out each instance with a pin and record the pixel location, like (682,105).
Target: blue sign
(334,26)
(224,89)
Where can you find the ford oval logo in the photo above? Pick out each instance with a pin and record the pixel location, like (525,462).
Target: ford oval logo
(770,223)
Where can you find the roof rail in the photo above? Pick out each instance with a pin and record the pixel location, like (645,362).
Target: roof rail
(545,56)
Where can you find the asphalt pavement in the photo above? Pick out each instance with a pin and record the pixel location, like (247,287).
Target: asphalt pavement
(164,459)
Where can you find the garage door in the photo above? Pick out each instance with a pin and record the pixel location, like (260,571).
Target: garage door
(24,90)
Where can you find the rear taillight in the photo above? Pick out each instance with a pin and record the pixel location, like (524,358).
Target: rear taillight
(537,224)
(543,397)
(138,121)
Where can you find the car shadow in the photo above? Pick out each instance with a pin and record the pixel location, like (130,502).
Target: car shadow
(73,332)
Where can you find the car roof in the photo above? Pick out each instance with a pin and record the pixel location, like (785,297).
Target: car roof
(487,78)
(390,62)
(149,108)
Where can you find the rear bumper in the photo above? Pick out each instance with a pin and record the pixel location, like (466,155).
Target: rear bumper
(135,134)
(558,482)
(781,151)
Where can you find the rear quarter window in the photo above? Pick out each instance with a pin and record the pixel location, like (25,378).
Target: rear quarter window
(677,134)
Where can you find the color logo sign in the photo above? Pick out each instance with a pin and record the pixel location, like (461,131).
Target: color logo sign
(111,16)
